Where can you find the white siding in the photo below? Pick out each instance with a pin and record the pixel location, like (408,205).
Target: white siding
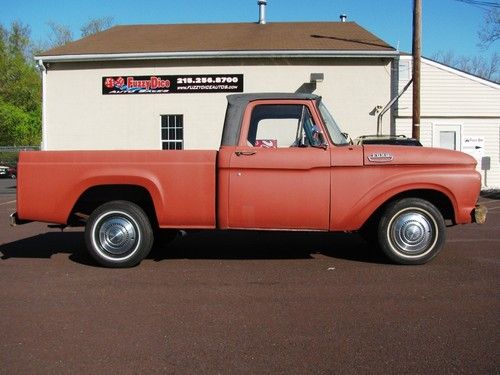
(489,129)
(445,91)
(403,126)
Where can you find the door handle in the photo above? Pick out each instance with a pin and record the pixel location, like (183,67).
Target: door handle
(245,153)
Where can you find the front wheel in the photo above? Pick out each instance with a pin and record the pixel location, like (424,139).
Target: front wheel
(411,231)
(118,234)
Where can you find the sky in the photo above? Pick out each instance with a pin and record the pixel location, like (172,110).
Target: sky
(448,25)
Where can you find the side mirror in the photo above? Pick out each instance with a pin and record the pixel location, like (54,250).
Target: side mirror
(348,139)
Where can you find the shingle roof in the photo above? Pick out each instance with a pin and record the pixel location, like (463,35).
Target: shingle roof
(184,38)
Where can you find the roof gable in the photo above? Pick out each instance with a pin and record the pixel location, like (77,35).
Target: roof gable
(448,92)
(447,69)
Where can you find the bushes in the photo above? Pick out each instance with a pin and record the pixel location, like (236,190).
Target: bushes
(19,127)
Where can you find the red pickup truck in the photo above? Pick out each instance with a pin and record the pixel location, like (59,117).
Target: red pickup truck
(283,164)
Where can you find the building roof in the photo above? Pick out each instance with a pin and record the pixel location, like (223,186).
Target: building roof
(223,40)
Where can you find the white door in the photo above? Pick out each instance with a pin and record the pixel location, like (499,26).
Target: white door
(447,136)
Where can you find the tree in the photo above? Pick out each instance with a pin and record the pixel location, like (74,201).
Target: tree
(484,67)
(490,31)
(20,88)
(60,35)
(96,25)
(20,85)
(19,41)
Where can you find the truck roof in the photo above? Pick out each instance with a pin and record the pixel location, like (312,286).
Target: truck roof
(236,105)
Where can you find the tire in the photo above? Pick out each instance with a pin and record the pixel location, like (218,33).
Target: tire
(411,231)
(118,234)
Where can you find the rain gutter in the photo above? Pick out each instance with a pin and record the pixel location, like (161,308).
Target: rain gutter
(217,55)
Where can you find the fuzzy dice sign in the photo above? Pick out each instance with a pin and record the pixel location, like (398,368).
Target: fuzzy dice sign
(160,84)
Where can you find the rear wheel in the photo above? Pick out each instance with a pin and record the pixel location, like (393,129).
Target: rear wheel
(411,231)
(118,234)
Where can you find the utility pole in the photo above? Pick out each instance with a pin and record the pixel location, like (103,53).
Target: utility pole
(417,54)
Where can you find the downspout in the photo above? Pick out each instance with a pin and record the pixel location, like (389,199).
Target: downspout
(394,92)
(43,70)
(389,105)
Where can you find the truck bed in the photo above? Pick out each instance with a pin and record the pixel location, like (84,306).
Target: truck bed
(181,184)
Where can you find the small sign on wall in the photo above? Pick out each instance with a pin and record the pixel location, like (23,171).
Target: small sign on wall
(474,146)
(185,84)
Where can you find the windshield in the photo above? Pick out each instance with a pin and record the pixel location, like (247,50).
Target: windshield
(332,127)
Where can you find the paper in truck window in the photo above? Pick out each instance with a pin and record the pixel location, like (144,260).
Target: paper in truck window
(266,143)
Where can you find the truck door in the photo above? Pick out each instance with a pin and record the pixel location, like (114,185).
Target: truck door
(279,175)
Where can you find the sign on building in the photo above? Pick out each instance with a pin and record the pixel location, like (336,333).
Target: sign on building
(159,84)
(474,146)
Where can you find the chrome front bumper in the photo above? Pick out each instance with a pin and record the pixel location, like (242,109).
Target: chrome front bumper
(14,220)
(479,214)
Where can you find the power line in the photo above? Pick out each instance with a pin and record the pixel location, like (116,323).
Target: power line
(481,3)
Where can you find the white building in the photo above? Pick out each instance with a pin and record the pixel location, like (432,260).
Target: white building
(165,86)
(458,111)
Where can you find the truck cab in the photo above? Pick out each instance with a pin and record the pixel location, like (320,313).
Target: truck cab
(275,171)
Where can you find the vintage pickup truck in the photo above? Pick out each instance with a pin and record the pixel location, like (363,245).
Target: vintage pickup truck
(283,164)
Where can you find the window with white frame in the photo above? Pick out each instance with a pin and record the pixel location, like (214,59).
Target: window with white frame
(172,132)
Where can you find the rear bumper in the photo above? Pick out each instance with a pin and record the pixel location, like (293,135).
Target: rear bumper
(479,214)
(14,220)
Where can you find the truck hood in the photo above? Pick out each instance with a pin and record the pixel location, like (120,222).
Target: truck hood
(409,155)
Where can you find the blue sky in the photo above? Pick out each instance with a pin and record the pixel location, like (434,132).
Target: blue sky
(448,25)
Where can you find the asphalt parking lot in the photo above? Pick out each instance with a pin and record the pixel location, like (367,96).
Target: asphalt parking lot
(273,303)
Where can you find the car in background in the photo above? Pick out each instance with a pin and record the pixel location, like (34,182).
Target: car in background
(399,140)
(8,172)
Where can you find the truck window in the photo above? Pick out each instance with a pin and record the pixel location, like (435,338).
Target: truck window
(277,126)
(331,126)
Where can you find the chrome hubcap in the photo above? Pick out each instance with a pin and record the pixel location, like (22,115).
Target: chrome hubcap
(413,232)
(117,235)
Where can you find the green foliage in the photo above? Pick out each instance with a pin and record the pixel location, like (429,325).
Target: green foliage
(20,89)
(20,82)
(19,127)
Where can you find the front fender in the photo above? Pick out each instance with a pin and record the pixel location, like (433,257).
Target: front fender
(353,204)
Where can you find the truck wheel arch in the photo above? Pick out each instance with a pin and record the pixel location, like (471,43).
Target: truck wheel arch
(439,199)
(442,202)
(94,196)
